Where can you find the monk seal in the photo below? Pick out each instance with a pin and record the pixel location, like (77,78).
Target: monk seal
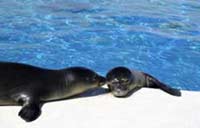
(121,81)
(30,86)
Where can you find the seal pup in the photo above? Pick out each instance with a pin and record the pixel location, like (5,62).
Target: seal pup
(122,81)
(30,86)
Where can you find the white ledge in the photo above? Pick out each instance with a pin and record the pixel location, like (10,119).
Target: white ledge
(146,108)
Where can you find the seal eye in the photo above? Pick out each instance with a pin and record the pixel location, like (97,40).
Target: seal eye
(87,78)
(124,80)
(94,78)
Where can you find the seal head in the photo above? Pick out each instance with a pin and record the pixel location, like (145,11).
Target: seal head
(119,80)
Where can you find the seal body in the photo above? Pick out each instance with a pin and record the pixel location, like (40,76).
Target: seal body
(31,86)
(121,81)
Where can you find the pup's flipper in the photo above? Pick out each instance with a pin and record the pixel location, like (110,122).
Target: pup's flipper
(154,83)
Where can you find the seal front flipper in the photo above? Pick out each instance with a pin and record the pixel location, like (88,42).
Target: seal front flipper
(30,112)
(31,109)
(154,83)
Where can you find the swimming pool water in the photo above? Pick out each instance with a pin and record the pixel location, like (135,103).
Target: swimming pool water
(160,37)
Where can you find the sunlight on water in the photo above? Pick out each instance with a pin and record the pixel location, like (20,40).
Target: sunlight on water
(160,37)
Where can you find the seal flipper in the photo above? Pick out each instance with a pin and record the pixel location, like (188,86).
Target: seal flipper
(31,109)
(30,112)
(154,83)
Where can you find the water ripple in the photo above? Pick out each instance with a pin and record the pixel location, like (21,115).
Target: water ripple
(159,37)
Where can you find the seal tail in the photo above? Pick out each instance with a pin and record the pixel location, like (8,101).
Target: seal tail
(154,83)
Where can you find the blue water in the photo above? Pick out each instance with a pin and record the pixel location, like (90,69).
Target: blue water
(160,37)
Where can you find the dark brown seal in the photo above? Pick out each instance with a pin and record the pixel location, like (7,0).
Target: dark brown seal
(31,86)
(121,81)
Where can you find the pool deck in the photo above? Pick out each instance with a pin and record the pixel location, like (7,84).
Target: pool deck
(146,108)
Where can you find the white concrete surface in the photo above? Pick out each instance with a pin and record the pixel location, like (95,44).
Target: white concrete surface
(146,108)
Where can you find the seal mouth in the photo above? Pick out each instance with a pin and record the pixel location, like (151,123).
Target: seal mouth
(120,93)
(118,89)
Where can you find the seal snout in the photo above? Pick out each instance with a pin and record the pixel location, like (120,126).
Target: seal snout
(102,80)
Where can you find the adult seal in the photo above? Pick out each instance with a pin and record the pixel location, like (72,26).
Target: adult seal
(122,81)
(31,86)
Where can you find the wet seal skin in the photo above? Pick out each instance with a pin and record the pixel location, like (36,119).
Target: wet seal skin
(122,82)
(31,86)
